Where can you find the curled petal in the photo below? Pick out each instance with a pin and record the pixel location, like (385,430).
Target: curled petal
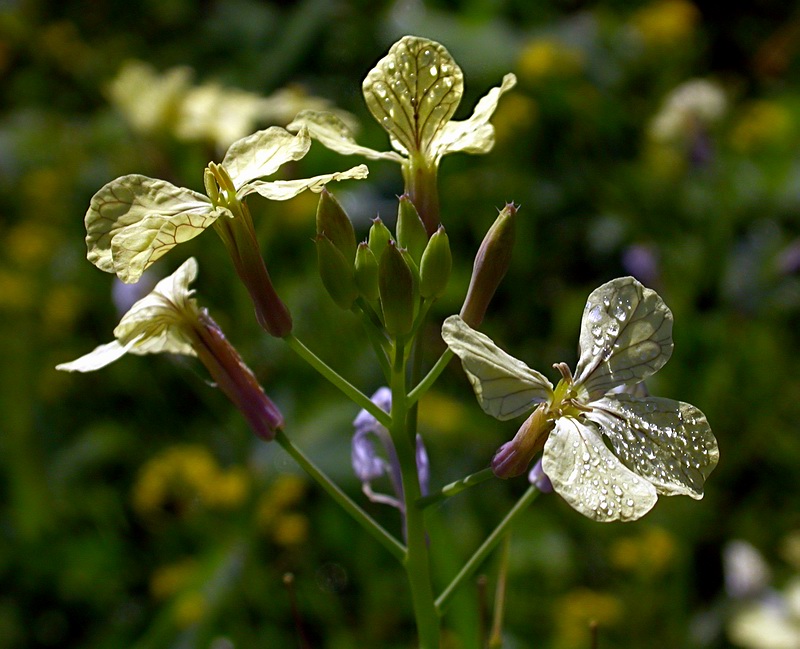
(668,442)
(123,204)
(282,190)
(476,134)
(505,387)
(413,92)
(98,358)
(262,154)
(590,477)
(332,132)
(626,335)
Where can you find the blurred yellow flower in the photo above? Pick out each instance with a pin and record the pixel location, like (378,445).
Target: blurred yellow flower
(516,114)
(62,306)
(187,475)
(285,492)
(290,529)
(16,291)
(190,609)
(29,243)
(171,578)
(549,57)
(441,413)
(665,22)
(762,123)
(577,610)
(649,553)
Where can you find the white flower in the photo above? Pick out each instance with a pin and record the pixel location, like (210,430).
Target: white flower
(134,220)
(607,453)
(696,102)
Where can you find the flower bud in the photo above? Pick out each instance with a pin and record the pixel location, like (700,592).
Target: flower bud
(437,261)
(491,265)
(396,287)
(366,272)
(379,237)
(333,222)
(411,233)
(336,273)
(513,458)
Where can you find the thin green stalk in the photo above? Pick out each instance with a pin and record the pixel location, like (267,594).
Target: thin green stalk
(485,549)
(377,338)
(430,378)
(417,563)
(355,395)
(496,635)
(395,548)
(456,487)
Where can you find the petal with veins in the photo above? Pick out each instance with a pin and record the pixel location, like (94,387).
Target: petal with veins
(262,154)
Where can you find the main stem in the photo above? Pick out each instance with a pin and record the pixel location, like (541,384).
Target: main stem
(417,563)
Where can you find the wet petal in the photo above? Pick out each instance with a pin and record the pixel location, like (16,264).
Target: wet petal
(626,335)
(476,134)
(282,190)
(413,92)
(124,203)
(331,131)
(590,478)
(668,442)
(262,154)
(505,387)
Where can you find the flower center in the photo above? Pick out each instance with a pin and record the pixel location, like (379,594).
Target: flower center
(569,399)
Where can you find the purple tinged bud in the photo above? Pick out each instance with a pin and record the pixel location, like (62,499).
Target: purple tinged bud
(538,478)
(235,379)
(423,467)
(512,458)
(491,264)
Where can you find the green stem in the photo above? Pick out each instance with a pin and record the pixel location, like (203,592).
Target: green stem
(430,378)
(456,487)
(355,395)
(485,549)
(417,563)
(374,330)
(395,548)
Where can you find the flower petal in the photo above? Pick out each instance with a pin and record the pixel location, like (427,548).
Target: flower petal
(505,387)
(99,357)
(626,335)
(413,92)
(282,190)
(668,442)
(332,132)
(127,201)
(476,134)
(161,321)
(262,154)
(590,478)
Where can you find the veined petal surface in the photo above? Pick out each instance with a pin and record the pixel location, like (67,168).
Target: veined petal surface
(505,386)
(331,131)
(668,442)
(626,335)
(586,474)
(476,134)
(127,201)
(262,154)
(282,190)
(413,92)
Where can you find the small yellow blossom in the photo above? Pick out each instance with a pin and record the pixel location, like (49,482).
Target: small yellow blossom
(170,579)
(666,22)
(190,609)
(543,58)
(290,529)
(576,611)
(285,492)
(763,123)
(228,490)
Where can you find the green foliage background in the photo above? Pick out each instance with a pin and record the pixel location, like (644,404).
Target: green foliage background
(712,223)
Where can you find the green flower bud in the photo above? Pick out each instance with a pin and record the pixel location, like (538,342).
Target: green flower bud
(396,285)
(379,237)
(336,273)
(435,266)
(491,265)
(333,222)
(411,232)
(366,272)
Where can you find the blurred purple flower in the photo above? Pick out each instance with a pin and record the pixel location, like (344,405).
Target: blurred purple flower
(641,261)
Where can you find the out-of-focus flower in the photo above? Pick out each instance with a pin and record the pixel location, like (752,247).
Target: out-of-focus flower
(665,22)
(575,611)
(168,320)
(690,108)
(413,93)
(660,446)
(170,579)
(762,123)
(549,57)
(647,553)
(369,465)
(274,515)
(746,572)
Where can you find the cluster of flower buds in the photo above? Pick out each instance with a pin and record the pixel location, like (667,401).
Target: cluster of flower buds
(392,274)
